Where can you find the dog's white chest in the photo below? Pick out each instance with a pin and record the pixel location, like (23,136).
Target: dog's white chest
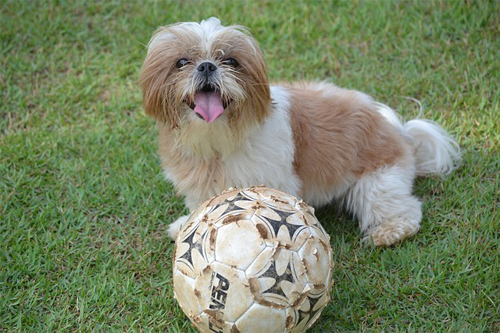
(267,157)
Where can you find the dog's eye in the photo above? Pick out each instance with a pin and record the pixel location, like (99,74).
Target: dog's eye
(181,63)
(230,62)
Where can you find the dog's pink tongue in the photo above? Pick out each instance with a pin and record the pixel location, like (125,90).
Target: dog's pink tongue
(208,105)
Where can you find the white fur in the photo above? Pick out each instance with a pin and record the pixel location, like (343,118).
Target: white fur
(319,197)
(208,28)
(390,115)
(384,204)
(174,227)
(267,156)
(436,152)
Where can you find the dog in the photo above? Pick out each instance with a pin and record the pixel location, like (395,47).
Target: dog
(221,124)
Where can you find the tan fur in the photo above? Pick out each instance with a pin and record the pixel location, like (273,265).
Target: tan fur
(195,175)
(339,133)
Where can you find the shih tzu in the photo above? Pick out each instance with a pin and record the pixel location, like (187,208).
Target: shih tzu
(221,124)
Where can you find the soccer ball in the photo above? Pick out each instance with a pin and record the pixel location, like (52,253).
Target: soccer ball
(253,260)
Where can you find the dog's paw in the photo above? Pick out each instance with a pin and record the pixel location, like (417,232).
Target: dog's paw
(174,227)
(391,232)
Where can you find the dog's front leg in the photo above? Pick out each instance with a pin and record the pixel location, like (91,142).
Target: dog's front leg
(174,227)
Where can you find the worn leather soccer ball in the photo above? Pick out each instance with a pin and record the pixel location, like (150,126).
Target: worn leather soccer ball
(253,260)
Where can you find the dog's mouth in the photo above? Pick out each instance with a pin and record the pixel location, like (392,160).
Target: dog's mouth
(208,103)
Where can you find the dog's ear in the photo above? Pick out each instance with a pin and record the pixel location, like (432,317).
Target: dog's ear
(257,84)
(154,81)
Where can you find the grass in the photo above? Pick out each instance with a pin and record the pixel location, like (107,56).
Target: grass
(84,209)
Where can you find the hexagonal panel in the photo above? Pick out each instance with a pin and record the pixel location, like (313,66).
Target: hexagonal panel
(238,243)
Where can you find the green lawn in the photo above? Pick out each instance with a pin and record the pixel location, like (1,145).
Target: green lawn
(84,208)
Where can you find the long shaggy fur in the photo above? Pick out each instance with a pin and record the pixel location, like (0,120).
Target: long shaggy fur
(317,141)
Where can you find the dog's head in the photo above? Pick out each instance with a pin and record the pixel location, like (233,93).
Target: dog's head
(205,73)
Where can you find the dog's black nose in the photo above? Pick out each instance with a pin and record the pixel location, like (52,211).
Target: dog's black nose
(206,68)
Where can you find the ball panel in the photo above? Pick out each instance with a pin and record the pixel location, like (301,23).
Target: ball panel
(223,292)
(317,261)
(278,199)
(206,323)
(184,289)
(318,231)
(238,243)
(262,319)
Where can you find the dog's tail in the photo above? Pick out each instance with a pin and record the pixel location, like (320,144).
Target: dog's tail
(436,152)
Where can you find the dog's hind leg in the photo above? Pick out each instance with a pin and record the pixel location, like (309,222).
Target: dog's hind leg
(383,203)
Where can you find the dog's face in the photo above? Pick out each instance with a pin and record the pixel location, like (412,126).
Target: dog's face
(204,73)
